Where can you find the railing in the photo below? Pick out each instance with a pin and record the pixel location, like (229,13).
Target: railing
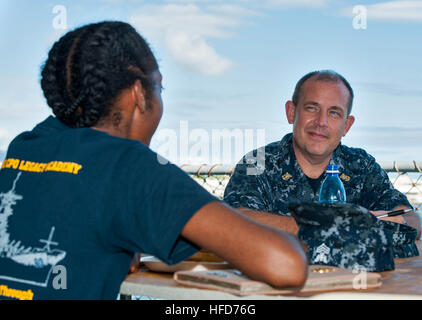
(406,176)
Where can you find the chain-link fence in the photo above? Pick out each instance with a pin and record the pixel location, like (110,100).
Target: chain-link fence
(405,176)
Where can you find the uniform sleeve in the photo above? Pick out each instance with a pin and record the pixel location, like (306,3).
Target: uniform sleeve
(161,198)
(379,193)
(247,189)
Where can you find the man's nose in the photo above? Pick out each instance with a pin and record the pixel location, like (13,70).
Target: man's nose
(322,119)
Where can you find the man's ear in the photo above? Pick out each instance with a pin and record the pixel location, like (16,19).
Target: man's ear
(138,94)
(290,111)
(349,122)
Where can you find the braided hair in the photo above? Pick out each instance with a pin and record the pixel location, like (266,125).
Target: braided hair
(88,67)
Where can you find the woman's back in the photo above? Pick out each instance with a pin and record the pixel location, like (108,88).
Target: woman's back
(98,196)
(82,193)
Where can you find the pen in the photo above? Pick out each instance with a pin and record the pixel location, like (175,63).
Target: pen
(395,213)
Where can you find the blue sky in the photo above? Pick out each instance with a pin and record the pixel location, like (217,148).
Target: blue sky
(233,64)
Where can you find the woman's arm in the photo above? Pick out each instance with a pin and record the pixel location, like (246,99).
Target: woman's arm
(260,252)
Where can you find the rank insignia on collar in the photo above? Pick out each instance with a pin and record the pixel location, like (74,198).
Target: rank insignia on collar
(322,253)
(286,176)
(344,177)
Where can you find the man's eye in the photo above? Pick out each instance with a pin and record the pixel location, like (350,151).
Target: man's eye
(335,114)
(310,108)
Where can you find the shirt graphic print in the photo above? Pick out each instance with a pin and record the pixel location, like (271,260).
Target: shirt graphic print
(41,260)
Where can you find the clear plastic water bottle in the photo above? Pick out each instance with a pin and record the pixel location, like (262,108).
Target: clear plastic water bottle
(332,189)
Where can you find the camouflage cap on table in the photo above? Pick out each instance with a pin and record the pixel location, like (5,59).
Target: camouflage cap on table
(349,236)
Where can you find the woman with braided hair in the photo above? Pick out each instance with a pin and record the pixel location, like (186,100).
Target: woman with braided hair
(86,179)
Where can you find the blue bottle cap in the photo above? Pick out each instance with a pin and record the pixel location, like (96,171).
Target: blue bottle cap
(332,168)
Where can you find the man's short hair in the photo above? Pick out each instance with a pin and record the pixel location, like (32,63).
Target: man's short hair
(324,75)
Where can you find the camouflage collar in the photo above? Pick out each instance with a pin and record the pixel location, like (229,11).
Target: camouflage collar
(287,155)
(338,157)
(285,145)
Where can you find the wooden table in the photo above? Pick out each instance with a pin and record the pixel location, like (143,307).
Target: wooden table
(405,282)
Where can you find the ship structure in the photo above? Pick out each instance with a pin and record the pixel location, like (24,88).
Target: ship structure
(12,252)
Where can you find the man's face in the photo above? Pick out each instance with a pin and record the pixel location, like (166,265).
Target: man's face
(320,118)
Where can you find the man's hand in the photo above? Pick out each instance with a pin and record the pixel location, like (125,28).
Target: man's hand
(396,219)
(411,218)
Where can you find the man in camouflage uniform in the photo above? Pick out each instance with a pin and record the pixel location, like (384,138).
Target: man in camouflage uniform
(295,166)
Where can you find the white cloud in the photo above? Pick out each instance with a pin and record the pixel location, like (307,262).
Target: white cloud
(186,29)
(119,1)
(396,10)
(400,10)
(187,18)
(195,1)
(22,106)
(193,52)
(296,3)
(233,10)
(264,3)
(5,138)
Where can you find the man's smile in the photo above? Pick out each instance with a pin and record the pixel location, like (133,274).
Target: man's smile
(317,135)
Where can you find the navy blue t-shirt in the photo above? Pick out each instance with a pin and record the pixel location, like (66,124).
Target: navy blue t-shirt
(76,204)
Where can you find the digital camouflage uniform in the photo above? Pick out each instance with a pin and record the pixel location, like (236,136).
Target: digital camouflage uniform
(346,235)
(349,236)
(282,181)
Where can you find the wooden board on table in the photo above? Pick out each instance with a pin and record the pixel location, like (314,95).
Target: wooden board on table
(320,278)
